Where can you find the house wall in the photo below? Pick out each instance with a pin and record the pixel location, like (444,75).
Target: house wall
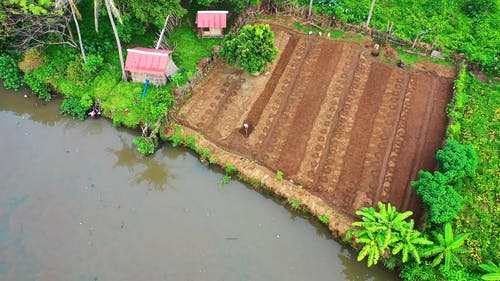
(212,32)
(157,79)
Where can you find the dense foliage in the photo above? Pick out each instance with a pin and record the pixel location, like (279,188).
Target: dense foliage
(10,73)
(457,160)
(467,26)
(39,87)
(387,234)
(474,120)
(76,107)
(443,201)
(252,49)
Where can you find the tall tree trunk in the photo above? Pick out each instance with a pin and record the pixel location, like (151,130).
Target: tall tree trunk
(370,14)
(118,44)
(79,34)
(310,9)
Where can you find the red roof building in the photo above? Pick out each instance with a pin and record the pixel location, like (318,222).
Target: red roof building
(154,65)
(211,23)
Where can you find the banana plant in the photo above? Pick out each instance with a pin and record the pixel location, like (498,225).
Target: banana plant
(493,271)
(447,248)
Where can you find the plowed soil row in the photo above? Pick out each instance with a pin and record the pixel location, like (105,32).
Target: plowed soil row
(349,128)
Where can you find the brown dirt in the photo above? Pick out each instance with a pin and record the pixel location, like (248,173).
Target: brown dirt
(351,129)
(389,52)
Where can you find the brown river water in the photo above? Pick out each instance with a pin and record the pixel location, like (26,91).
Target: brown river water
(78,203)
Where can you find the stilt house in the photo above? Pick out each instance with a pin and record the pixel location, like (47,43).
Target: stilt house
(211,23)
(151,64)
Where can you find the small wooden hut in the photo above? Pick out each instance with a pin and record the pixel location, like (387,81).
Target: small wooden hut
(149,64)
(211,23)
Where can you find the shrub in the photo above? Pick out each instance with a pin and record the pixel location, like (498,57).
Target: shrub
(191,142)
(76,107)
(230,170)
(39,87)
(76,73)
(226,179)
(295,203)
(412,271)
(324,219)
(457,160)
(177,137)
(279,175)
(10,73)
(146,145)
(94,64)
(252,49)
(33,58)
(443,201)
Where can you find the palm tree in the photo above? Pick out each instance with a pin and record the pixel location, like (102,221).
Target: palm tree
(76,16)
(447,248)
(112,12)
(407,241)
(370,13)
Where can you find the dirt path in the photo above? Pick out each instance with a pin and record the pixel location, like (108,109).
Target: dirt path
(349,128)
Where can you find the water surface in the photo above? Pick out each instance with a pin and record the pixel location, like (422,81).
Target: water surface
(77,202)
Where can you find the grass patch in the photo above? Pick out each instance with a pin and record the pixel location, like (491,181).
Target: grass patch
(189,48)
(475,119)
(410,59)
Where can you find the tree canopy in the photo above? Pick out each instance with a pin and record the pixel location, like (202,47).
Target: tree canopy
(252,49)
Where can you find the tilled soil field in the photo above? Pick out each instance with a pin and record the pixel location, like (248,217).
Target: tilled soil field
(348,127)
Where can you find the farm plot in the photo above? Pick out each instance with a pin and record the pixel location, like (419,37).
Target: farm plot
(349,128)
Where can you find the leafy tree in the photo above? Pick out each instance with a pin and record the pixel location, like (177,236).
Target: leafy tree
(443,201)
(447,248)
(457,160)
(492,271)
(252,49)
(35,23)
(152,11)
(238,5)
(75,13)
(113,12)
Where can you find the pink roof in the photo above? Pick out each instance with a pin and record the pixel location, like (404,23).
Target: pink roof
(216,19)
(147,60)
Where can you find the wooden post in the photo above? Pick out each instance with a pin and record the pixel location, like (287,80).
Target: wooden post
(161,34)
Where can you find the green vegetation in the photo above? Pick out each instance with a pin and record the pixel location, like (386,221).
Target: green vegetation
(474,120)
(323,218)
(438,194)
(492,271)
(295,203)
(252,49)
(10,73)
(464,26)
(230,170)
(279,175)
(387,235)
(464,192)
(447,248)
(76,107)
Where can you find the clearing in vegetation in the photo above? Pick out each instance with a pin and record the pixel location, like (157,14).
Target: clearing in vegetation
(351,129)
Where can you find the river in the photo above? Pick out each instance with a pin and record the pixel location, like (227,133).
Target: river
(77,202)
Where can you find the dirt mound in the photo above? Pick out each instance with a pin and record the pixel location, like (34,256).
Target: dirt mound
(351,129)
(389,52)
